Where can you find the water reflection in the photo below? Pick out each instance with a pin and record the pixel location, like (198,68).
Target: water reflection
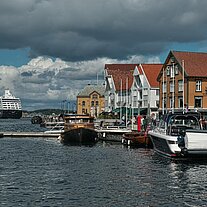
(43,172)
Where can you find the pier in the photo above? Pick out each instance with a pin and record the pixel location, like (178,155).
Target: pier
(29,134)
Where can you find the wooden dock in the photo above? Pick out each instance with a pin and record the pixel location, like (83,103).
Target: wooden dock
(29,134)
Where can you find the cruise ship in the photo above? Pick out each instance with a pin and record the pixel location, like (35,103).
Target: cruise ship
(10,106)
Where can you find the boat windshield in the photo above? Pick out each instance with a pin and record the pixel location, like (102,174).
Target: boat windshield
(189,121)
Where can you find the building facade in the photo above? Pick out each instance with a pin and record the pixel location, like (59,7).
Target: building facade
(91,100)
(183,82)
(132,86)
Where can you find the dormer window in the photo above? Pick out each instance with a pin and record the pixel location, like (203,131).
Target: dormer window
(95,96)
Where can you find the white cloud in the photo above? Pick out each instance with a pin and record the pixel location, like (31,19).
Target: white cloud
(44,82)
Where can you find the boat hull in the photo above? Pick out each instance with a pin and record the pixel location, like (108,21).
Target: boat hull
(139,139)
(79,136)
(165,145)
(10,114)
(195,145)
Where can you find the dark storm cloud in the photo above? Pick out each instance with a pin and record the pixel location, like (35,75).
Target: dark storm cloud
(81,30)
(26,74)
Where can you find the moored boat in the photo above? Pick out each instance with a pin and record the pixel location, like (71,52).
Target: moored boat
(138,139)
(79,129)
(179,135)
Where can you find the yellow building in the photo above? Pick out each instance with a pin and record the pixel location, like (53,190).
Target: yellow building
(91,100)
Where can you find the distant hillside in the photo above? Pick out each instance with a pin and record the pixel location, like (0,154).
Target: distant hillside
(47,111)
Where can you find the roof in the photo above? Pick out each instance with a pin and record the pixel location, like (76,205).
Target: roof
(121,73)
(152,71)
(195,63)
(100,89)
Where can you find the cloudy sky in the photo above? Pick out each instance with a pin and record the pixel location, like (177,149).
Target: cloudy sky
(50,49)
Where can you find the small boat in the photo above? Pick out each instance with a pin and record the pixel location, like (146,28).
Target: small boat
(79,129)
(137,139)
(180,135)
(36,120)
(111,131)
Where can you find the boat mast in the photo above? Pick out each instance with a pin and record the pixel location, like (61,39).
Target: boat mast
(163,98)
(121,102)
(173,75)
(126,98)
(183,67)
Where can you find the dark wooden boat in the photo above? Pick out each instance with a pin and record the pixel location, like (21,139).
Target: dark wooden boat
(79,129)
(138,139)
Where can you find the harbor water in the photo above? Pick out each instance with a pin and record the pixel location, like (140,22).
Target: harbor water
(43,172)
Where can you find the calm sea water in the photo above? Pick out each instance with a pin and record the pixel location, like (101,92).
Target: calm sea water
(43,172)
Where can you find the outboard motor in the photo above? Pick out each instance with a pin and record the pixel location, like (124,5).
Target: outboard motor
(181,141)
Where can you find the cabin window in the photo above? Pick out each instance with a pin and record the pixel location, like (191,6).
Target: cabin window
(198,101)
(180,85)
(198,85)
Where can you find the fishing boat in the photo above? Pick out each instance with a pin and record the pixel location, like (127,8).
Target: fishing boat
(10,106)
(79,129)
(180,134)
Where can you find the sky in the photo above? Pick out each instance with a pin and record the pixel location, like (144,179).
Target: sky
(49,49)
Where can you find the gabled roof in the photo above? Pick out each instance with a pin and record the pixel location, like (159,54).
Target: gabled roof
(152,71)
(195,63)
(121,73)
(100,89)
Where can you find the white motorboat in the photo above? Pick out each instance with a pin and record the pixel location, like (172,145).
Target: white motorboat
(180,135)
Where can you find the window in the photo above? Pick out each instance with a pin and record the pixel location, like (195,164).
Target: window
(94,96)
(92,103)
(83,111)
(172,72)
(176,70)
(198,85)
(198,101)
(83,103)
(164,87)
(168,70)
(180,85)
(171,102)
(180,102)
(172,87)
(157,92)
(96,103)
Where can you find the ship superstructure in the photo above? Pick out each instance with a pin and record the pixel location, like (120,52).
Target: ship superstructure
(10,106)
